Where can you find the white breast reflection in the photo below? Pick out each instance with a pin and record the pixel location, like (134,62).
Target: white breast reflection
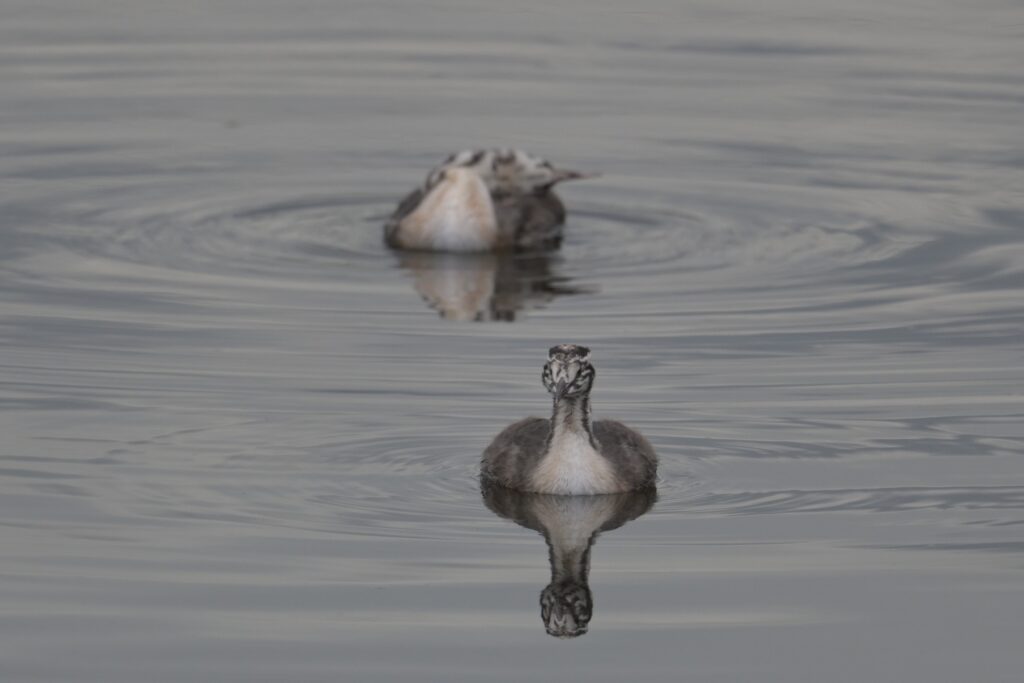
(486,287)
(570,525)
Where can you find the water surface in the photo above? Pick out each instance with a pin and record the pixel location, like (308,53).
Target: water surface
(241,436)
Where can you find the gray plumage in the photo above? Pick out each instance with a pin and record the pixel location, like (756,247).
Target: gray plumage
(567,454)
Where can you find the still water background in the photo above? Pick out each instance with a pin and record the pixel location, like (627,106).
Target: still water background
(240,437)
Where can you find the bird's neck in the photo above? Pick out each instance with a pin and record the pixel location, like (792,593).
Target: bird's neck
(570,417)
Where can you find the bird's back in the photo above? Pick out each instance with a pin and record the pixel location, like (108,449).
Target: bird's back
(523,206)
(531,220)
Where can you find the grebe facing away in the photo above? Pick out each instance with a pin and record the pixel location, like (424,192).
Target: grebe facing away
(483,200)
(567,454)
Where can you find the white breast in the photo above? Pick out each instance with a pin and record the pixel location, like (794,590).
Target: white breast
(573,467)
(457,215)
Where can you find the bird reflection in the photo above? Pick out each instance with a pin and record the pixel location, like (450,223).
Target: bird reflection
(488,286)
(570,525)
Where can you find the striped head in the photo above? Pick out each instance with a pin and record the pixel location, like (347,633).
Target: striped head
(566,608)
(507,170)
(568,372)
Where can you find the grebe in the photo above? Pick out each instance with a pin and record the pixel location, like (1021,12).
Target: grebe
(483,200)
(567,454)
(570,525)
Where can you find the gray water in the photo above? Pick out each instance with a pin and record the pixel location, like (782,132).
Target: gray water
(240,437)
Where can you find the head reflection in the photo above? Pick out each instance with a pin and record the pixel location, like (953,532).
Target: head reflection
(570,525)
(489,286)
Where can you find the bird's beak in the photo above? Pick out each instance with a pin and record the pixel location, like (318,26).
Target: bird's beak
(563,376)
